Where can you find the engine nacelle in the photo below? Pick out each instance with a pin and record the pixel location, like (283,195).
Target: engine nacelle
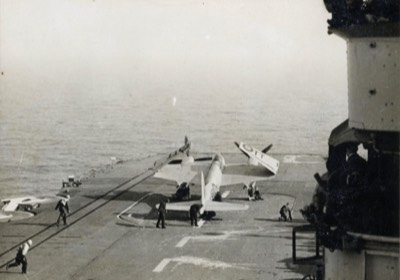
(187,160)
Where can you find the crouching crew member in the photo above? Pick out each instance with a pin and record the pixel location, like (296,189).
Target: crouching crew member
(286,213)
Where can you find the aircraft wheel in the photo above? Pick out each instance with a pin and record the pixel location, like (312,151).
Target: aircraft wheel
(208,215)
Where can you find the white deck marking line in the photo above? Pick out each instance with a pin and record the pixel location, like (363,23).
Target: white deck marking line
(203,262)
(133,205)
(293,159)
(183,242)
(187,238)
(225,194)
(226,235)
(160,267)
(201,238)
(200,223)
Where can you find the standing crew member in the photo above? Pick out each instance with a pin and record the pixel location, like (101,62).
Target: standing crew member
(20,258)
(194,211)
(63,207)
(162,210)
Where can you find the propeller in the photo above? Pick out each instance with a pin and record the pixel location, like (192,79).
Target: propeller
(267,149)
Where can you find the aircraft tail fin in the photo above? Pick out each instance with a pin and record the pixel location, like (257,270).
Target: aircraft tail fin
(203,199)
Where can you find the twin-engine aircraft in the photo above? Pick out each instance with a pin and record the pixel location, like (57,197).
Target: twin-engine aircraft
(260,166)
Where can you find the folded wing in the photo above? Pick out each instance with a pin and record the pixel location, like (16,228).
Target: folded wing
(259,157)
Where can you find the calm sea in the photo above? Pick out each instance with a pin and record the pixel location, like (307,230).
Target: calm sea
(49,131)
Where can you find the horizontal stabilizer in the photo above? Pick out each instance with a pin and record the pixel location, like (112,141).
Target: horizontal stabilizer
(180,206)
(209,206)
(224,206)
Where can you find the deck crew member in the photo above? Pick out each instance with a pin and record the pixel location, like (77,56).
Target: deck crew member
(257,195)
(162,210)
(250,191)
(194,211)
(285,213)
(20,258)
(63,208)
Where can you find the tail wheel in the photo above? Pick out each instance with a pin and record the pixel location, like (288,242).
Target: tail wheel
(218,197)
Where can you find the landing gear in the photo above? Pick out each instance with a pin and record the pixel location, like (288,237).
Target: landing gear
(218,197)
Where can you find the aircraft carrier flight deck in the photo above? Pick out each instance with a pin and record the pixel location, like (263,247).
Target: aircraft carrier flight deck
(111,232)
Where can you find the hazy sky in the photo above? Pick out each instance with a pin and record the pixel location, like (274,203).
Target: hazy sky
(168,43)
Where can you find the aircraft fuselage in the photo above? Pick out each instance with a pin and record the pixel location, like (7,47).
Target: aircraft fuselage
(214,177)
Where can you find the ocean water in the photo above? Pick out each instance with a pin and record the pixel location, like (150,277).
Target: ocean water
(83,82)
(45,136)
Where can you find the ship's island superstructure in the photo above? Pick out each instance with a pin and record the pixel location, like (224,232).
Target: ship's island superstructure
(355,209)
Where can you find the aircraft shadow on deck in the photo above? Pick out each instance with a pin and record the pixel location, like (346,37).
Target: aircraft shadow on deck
(150,226)
(10,272)
(135,196)
(30,224)
(294,221)
(132,218)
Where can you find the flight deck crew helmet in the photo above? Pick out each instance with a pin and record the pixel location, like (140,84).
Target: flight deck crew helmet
(29,243)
